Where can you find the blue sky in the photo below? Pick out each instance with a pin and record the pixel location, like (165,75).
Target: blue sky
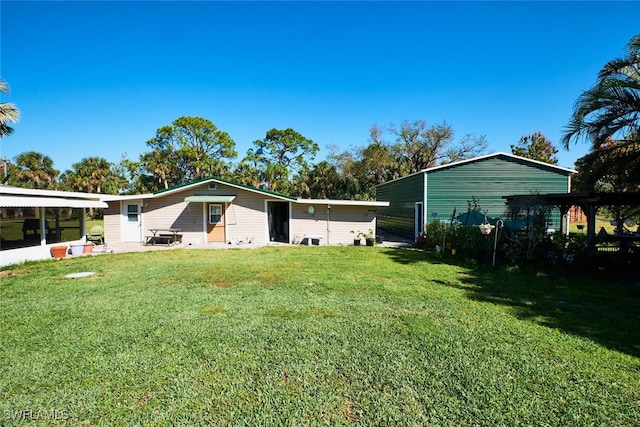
(99,78)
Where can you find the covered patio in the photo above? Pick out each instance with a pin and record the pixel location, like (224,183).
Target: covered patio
(33,220)
(625,240)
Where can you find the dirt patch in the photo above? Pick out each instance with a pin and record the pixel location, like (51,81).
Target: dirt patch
(10,273)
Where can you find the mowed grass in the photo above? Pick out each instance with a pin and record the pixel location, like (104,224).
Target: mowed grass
(313,336)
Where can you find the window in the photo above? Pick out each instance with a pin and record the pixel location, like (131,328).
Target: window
(215,214)
(132,213)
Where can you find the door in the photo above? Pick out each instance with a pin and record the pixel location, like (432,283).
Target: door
(215,223)
(132,222)
(278,218)
(419,219)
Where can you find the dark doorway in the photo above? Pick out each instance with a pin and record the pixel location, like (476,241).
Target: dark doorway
(278,213)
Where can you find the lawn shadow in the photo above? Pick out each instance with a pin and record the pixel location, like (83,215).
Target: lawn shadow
(408,255)
(601,309)
(605,312)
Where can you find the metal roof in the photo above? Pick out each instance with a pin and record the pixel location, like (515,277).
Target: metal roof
(480,158)
(11,201)
(17,197)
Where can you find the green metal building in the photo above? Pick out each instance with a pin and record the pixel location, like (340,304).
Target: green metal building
(434,193)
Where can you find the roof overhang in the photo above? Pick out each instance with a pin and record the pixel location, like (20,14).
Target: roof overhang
(209,199)
(342,202)
(11,201)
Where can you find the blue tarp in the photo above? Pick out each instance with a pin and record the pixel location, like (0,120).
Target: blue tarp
(471,218)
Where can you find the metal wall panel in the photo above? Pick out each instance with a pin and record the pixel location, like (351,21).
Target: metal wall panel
(449,188)
(399,216)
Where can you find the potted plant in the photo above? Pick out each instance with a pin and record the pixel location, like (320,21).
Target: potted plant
(59,251)
(356,237)
(77,249)
(485,229)
(88,247)
(369,237)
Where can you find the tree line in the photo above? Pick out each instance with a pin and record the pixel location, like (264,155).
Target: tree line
(193,148)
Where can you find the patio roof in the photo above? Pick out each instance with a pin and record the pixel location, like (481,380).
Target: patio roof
(48,202)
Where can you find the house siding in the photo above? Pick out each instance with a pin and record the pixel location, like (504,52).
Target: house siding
(246,217)
(402,195)
(333,222)
(112,223)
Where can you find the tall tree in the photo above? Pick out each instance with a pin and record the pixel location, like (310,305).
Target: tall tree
(320,182)
(416,146)
(88,175)
(190,148)
(33,170)
(419,146)
(246,172)
(135,178)
(610,169)
(281,155)
(162,164)
(610,110)
(607,169)
(536,147)
(8,112)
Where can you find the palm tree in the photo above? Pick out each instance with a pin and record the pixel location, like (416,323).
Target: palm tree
(8,112)
(34,170)
(91,174)
(611,108)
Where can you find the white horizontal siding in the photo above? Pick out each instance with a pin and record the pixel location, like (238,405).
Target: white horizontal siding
(112,221)
(333,223)
(245,217)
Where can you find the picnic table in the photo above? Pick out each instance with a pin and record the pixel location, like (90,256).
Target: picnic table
(168,236)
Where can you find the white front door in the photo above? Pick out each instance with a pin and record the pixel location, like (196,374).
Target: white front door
(132,222)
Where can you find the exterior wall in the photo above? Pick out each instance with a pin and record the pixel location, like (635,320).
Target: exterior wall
(487,181)
(112,223)
(245,216)
(402,195)
(333,223)
(449,188)
(32,253)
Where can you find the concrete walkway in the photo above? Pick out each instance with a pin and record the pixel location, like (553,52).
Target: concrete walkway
(389,241)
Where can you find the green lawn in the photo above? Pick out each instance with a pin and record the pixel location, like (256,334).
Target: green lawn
(312,336)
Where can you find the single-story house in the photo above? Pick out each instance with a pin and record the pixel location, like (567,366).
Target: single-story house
(435,193)
(32,221)
(216,210)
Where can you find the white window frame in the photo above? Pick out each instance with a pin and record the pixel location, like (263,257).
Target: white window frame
(210,216)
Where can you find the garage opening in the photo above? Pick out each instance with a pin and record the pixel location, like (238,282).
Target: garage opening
(278,214)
